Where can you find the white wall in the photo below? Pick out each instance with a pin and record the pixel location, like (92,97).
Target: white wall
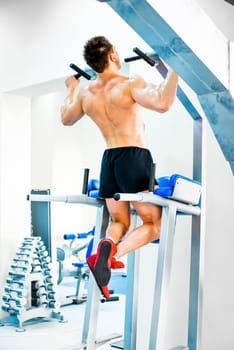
(44,37)
(198,31)
(15,152)
(40,39)
(218,286)
(221,13)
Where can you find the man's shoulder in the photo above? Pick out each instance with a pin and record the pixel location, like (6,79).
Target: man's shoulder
(136,81)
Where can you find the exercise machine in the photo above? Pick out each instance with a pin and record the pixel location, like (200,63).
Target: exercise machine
(177,195)
(78,269)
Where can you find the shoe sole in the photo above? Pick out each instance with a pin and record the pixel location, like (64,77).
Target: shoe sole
(100,287)
(101,269)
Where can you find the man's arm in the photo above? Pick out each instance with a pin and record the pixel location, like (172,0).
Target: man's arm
(158,98)
(71,111)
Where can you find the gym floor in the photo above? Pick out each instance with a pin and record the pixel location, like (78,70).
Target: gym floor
(54,335)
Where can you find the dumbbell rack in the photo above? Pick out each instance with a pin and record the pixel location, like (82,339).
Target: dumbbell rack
(30,291)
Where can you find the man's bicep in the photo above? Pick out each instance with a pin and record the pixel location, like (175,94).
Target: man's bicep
(145,94)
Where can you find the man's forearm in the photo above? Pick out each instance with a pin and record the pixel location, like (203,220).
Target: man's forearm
(168,88)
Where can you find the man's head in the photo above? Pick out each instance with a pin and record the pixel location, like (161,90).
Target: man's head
(97,52)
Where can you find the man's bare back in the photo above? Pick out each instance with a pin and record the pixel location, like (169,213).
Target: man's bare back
(113,102)
(110,105)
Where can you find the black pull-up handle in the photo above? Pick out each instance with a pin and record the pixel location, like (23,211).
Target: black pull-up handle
(80,72)
(131,59)
(144,56)
(85,181)
(151,59)
(152,177)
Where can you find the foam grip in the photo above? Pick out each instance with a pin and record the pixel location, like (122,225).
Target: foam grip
(144,56)
(82,235)
(68,236)
(94,194)
(93,188)
(71,236)
(80,72)
(104,300)
(93,184)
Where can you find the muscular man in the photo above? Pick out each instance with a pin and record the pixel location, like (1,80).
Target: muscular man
(114,102)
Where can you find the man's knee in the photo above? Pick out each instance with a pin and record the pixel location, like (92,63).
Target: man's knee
(124,225)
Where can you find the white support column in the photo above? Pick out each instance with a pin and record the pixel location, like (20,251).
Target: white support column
(171,209)
(162,281)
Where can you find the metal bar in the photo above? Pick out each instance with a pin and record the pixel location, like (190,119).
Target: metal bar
(219,109)
(131,302)
(79,199)
(194,302)
(93,299)
(161,290)
(161,201)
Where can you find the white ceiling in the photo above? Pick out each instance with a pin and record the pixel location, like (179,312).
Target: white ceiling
(222,14)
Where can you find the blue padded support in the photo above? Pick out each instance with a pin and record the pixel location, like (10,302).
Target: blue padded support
(180,188)
(93,188)
(167,184)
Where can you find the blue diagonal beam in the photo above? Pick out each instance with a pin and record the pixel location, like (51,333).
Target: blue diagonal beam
(143,18)
(212,94)
(219,109)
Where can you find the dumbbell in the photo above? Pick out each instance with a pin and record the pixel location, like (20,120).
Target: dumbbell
(17,275)
(18,292)
(21,261)
(15,283)
(20,267)
(13,301)
(12,311)
(49,280)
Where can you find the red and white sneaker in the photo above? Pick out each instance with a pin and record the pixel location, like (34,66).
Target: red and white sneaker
(91,262)
(101,263)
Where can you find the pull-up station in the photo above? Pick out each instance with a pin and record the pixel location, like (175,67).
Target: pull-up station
(177,195)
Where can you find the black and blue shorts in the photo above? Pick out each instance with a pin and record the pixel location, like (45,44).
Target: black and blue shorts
(125,170)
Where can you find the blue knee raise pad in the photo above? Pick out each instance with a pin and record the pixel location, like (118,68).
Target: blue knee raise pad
(93,188)
(180,188)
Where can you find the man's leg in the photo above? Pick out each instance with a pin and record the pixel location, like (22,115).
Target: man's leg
(120,214)
(145,233)
(101,263)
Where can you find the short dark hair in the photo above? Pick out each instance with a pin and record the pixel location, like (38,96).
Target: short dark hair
(96,51)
